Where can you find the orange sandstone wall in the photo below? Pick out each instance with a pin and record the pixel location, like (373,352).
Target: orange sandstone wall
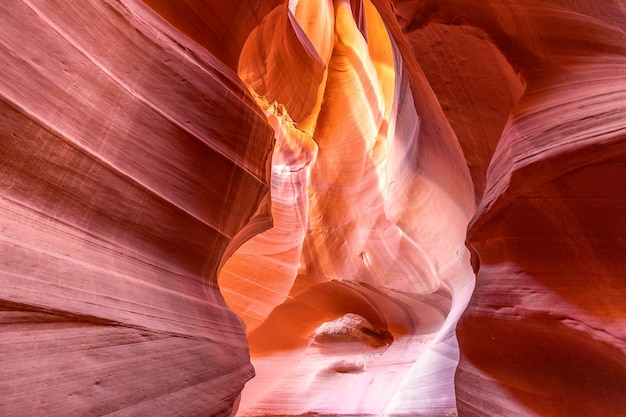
(544,331)
(194,192)
(358,286)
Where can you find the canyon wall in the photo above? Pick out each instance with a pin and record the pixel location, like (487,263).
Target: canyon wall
(349,207)
(543,132)
(132,161)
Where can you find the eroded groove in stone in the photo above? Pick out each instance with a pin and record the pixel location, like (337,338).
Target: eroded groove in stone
(329,160)
(360,242)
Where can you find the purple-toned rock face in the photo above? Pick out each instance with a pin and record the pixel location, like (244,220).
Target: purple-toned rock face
(377,207)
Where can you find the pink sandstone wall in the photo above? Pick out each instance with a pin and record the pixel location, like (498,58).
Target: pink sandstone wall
(313,207)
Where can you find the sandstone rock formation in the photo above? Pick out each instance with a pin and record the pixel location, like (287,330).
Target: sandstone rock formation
(124,181)
(313,199)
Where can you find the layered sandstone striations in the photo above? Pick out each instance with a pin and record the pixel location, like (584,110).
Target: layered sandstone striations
(326,167)
(544,334)
(382,198)
(132,159)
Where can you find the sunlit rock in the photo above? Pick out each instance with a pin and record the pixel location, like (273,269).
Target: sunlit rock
(544,332)
(326,194)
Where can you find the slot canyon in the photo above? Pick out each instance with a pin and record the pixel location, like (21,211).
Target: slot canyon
(313,208)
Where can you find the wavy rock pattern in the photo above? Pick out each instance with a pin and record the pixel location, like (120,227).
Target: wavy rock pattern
(358,176)
(359,248)
(544,332)
(124,179)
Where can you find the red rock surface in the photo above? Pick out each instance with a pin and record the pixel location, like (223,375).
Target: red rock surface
(124,179)
(544,333)
(192,192)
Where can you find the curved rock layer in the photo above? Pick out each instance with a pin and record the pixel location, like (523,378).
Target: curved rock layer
(370,203)
(325,162)
(131,158)
(544,332)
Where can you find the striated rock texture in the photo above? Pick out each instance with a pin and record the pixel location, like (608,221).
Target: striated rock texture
(358,287)
(326,194)
(132,160)
(545,332)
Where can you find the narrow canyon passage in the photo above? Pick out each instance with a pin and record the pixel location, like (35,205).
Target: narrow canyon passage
(358,284)
(400,208)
